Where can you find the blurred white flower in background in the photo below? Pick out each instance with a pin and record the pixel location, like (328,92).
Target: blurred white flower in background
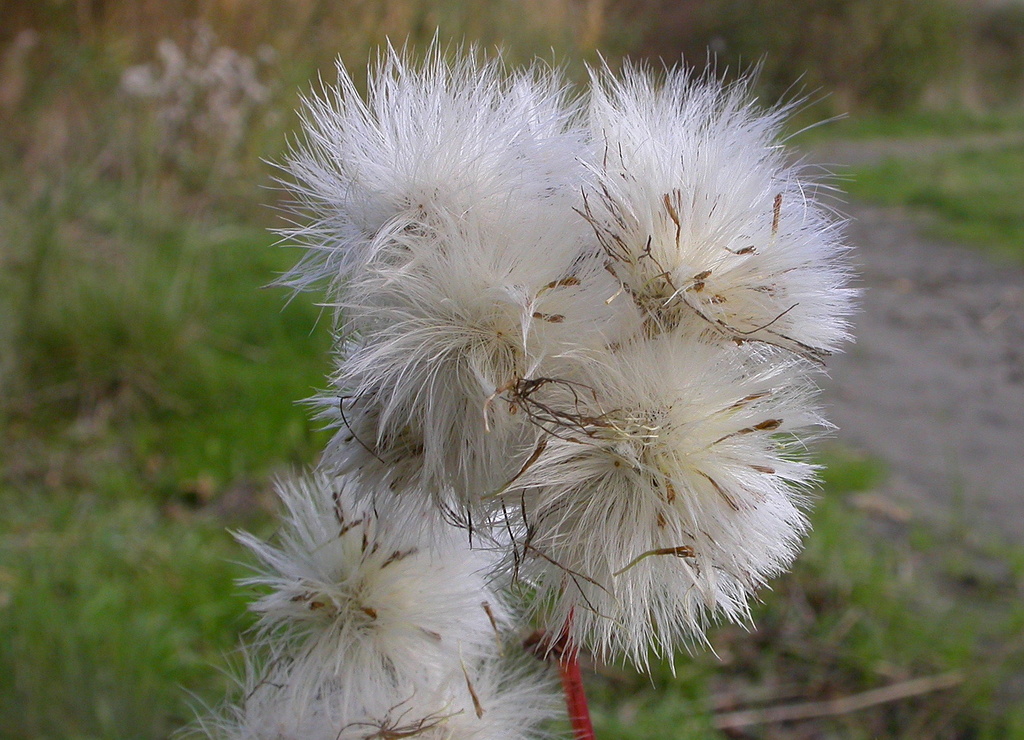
(205,96)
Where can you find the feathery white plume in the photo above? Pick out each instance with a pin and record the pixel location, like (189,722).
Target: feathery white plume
(439,343)
(667,493)
(365,600)
(496,699)
(374,628)
(704,222)
(585,334)
(443,219)
(432,140)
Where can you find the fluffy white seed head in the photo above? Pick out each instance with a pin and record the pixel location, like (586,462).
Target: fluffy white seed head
(442,217)
(704,222)
(494,699)
(367,601)
(595,335)
(443,338)
(669,492)
(431,140)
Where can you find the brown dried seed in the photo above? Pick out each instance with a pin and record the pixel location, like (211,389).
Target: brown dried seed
(721,491)
(672,214)
(563,283)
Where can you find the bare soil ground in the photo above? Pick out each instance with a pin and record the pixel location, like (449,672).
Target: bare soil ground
(934,385)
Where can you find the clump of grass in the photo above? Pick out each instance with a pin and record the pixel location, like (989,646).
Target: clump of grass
(111,614)
(949,123)
(162,329)
(973,196)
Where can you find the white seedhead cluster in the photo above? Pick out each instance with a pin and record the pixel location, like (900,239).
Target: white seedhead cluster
(376,627)
(576,338)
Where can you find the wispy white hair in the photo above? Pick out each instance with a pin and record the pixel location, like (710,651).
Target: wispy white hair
(671,491)
(590,324)
(436,139)
(439,341)
(492,699)
(703,219)
(442,218)
(359,599)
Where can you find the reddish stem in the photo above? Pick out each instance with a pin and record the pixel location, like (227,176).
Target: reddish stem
(575,697)
(567,655)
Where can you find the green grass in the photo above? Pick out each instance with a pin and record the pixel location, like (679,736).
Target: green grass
(153,333)
(111,613)
(973,196)
(965,182)
(862,126)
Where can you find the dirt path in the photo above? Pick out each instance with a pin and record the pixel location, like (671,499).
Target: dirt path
(934,385)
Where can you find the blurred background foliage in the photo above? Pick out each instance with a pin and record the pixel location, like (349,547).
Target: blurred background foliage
(880,55)
(149,384)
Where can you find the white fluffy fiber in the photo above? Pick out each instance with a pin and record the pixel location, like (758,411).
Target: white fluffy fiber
(437,139)
(493,699)
(674,497)
(669,486)
(591,324)
(442,219)
(361,599)
(440,340)
(375,627)
(702,218)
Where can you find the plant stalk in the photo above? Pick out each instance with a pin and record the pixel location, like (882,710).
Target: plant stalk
(575,697)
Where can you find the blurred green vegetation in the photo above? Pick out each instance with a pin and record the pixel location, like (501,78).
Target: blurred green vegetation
(855,55)
(148,381)
(971,195)
(112,614)
(878,53)
(951,125)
